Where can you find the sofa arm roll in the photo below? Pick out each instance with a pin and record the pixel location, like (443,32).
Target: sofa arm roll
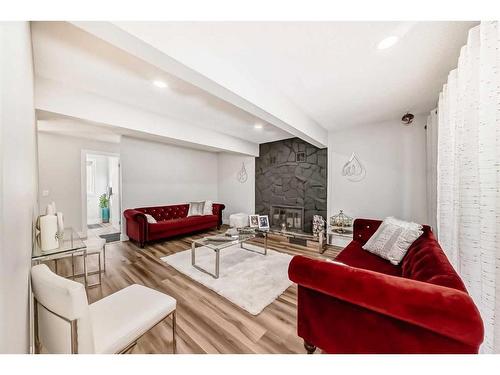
(136,225)
(136,215)
(446,311)
(217,209)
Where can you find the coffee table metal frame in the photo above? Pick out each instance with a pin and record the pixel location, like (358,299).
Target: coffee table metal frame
(218,246)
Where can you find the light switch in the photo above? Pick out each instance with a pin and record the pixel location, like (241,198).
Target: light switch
(45,193)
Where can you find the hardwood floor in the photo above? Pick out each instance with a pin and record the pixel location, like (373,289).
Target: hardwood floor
(206,322)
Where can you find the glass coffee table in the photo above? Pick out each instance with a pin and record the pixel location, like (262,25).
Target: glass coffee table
(218,246)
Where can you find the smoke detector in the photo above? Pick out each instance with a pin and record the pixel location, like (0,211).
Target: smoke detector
(407,119)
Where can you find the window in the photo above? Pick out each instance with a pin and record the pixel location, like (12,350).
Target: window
(90,176)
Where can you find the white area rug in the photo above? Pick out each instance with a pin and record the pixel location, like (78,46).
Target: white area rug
(249,280)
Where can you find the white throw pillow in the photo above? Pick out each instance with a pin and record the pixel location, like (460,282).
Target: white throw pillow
(195,208)
(393,238)
(207,208)
(150,219)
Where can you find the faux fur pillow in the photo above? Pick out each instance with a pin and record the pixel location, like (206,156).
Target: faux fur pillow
(196,208)
(393,238)
(150,219)
(207,208)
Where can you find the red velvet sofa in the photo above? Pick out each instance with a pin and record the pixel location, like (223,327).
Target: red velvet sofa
(171,221)
(369,305)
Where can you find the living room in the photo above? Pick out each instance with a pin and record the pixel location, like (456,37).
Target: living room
(256,187)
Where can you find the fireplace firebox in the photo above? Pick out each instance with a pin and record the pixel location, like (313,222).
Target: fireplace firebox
(291,216)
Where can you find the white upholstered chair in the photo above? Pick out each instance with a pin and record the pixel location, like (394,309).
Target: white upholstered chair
(66,323)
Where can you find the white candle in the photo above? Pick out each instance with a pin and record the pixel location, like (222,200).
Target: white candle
(48,232)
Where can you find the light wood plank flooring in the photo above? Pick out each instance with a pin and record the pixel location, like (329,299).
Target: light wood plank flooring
(206,322)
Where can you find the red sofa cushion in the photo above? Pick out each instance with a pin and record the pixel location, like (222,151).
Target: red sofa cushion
(354,256)
(166,212)
(174,224)
(425,261)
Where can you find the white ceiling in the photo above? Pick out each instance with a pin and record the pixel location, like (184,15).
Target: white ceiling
(331,70)
(326,73)
(76,59)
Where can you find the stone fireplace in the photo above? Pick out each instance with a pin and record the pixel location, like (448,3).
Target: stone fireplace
(291,181)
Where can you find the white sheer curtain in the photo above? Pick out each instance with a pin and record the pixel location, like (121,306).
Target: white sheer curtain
(431,153)
(468,173)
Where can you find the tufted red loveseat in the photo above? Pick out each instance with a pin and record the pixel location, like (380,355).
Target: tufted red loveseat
(171,221)
(368,305)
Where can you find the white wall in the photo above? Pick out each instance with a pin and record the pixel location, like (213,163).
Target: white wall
(395,162)
(18,183)
(155,174)
(238,197)
(152,174)
(59,162)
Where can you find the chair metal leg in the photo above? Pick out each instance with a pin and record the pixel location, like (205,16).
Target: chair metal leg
(100,273)
(104,260)
(35,322)
(74,337)
(174,328)
(128,348)
(86,283)
(72,265)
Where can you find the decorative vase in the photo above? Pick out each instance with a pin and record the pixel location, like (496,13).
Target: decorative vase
(318,225)
(105,214)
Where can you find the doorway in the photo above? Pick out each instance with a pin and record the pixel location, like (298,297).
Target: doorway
(101,198)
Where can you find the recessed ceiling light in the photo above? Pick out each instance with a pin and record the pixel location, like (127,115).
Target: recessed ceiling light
(258,126)
(160,84)
(388,42)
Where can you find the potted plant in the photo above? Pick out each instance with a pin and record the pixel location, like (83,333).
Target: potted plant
(104,204)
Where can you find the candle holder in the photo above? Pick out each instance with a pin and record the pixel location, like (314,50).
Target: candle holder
(340,223)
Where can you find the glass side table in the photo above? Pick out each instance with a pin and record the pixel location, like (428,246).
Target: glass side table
(70,245)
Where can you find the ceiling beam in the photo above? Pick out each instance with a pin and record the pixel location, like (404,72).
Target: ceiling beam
(249,95)
(53,97)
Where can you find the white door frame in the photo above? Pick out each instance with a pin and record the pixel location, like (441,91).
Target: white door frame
(83,185)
